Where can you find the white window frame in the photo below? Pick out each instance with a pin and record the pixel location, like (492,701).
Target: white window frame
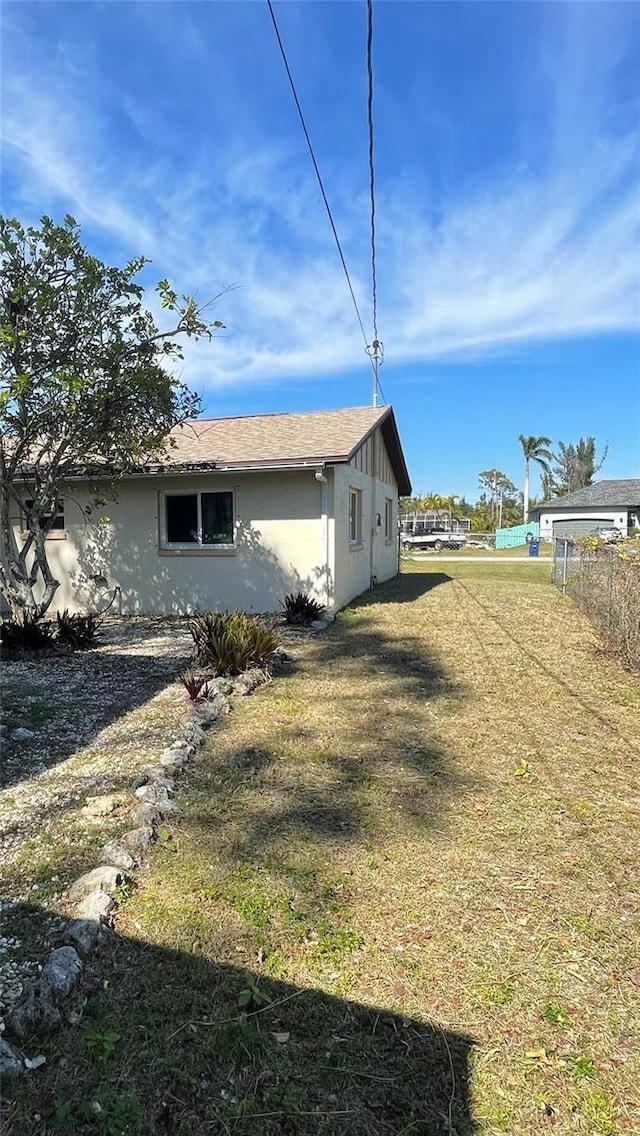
(388,520)
(193,546)
(356,495)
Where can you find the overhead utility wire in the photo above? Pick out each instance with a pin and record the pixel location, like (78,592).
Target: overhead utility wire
(372,180)
(376,350)
(318,175)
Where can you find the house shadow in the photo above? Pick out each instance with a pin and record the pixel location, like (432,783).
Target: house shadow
(403,588)
(205,1045)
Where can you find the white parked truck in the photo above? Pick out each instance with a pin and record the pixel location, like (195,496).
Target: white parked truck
(435,538)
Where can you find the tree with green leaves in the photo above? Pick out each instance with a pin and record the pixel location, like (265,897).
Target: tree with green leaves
(575,466)
(85,385)
(498,498)
(534,448)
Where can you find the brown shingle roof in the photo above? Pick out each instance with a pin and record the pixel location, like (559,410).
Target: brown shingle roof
(274,438)
(270,441)
(265,440)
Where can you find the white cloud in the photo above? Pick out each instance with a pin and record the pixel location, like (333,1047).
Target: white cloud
(536,258)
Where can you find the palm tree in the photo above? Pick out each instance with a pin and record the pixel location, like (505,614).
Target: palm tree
(534,449)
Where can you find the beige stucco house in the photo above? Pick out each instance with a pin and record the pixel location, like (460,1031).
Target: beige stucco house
(241,512)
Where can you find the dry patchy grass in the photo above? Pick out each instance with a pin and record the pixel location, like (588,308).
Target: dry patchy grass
(412,861)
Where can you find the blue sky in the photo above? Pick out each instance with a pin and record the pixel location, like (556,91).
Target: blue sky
(507,147)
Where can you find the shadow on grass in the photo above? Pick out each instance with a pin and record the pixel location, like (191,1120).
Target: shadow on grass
(348,755)
(203,1046)
(404,588)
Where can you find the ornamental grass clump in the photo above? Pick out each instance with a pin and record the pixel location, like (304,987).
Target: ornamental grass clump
(301,608)
(232,642)
(25,632)
(76,630)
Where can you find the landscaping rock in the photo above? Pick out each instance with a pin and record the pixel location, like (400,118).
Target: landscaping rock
(100,879)
(86,935)
(118,856)
(137,840)
(216,707)
(195,735)
(22,734)
(96,906)
(61,973)
(146,815)
(33,1012)
(35,1062)
(319,625)
(11,1063)
(246,683)
(174,759)
(165,806)
(161,785)
(158,797)
(183,745)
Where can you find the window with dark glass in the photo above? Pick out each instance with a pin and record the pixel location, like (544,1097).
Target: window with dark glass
(182,518)
(355,516)
(388,519)
(200,519)
(217,518)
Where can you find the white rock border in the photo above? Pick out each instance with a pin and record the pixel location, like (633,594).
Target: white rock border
(55,997)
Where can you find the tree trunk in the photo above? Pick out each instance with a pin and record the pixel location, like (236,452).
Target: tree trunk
(16,580)
(526,491)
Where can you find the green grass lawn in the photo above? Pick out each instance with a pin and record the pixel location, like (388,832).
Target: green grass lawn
(401,896)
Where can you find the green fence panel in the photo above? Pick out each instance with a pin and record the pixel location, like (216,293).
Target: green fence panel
(512,538)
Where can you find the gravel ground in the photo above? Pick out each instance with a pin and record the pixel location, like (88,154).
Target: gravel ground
(78,728)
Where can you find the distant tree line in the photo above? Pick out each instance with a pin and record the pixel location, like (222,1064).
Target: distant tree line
(500,503)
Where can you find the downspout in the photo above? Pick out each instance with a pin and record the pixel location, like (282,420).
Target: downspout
(324,513)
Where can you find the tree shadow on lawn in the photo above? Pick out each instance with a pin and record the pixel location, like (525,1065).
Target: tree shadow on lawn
(67,700)
(205,1046)
(339,768)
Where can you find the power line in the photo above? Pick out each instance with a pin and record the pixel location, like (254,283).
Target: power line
(318,175)
(372,183)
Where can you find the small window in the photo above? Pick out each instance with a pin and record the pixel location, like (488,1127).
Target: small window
(388,519)
(197,520)
(355,516)
(58,520)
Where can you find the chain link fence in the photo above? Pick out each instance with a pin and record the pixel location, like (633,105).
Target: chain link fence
(605,584)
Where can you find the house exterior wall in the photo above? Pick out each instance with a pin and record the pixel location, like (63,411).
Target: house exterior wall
(291,533)
(280,546)
(373,556)
(614,516)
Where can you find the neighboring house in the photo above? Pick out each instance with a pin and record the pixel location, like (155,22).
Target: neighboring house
(241,512)
(604,504)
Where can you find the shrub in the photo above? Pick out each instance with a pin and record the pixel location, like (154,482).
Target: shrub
(299,607)
(232,642)
(78,631)
(26,633)
(194,684)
